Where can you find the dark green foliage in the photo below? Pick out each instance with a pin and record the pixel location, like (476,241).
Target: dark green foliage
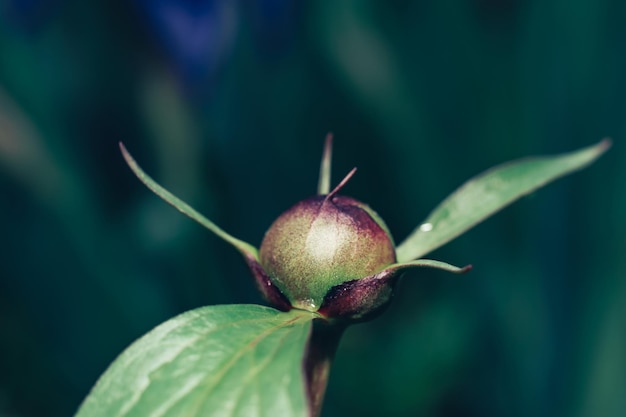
(437,91)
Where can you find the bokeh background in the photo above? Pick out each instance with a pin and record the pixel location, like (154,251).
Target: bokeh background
(227,103)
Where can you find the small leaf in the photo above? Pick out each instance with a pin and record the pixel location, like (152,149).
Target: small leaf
(489,192)
(245,248)
(229,360)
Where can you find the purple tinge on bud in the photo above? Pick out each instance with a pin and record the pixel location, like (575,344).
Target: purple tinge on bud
(361,299)
(272,294)
(321,243)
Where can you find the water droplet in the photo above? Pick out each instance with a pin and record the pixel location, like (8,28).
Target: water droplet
(306,304)
(426,227)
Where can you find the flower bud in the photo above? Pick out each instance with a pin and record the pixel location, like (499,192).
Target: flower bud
(322,243)
(328,254)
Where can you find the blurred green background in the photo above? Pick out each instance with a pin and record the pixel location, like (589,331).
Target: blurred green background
(227,103)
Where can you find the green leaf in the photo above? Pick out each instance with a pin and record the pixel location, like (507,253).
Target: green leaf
(245,248)
(229,360)
(489,192)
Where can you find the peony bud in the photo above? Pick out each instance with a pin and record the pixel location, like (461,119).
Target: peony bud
(322,242)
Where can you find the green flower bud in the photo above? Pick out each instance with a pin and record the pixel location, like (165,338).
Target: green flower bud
(322,242)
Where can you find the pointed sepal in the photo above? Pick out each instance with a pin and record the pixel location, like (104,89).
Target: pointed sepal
(323,186)
(245,248)
(429,263)
(365,298)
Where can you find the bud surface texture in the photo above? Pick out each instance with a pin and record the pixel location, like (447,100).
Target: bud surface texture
(322,242)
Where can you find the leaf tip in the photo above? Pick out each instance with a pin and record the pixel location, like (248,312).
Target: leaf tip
(127,156)
(604,145)
(328,144)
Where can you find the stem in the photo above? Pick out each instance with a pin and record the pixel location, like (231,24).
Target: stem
(323,344)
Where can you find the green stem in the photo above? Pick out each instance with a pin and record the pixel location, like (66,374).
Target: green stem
(323,344)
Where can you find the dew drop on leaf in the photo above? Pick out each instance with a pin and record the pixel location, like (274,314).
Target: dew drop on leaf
(426,227)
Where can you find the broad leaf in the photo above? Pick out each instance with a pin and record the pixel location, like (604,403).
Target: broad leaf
(230,360)
(489,192)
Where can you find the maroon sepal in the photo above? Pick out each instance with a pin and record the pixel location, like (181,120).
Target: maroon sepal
(271,293)
(360,299)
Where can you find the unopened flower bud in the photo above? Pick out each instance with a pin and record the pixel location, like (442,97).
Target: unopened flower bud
(323,242)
